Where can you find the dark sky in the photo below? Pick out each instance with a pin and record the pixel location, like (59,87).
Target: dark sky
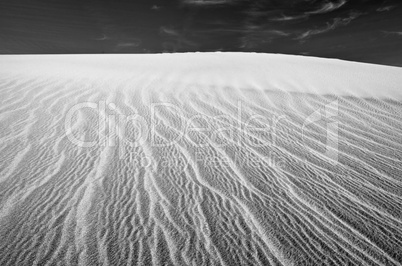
(358,30)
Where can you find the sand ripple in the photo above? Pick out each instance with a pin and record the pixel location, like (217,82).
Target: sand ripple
(226,202)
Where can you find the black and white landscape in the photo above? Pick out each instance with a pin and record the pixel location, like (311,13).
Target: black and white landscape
(201,132)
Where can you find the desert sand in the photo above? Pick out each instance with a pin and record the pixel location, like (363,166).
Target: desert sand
(199,159)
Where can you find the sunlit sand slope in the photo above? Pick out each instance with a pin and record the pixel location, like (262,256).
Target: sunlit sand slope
(199,159)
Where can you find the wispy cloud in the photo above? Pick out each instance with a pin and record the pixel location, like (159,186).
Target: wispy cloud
(288,18)
(132,43)
(385,8)
(129,44)
(328,7)
(337,22)
(175,40)
(155,7)
(103,38)
(277,33)
(255,37)
(399,33)
(168,31)
(325,8)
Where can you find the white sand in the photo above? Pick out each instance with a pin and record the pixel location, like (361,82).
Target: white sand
(310,193)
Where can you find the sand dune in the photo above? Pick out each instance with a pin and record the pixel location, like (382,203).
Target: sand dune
(199,159)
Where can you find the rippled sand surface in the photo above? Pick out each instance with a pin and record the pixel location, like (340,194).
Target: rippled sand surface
(199,159)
